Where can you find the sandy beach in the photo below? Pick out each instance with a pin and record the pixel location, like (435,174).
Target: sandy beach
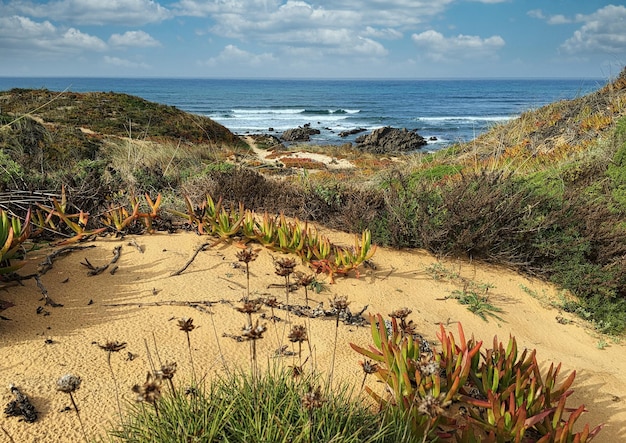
(140,304)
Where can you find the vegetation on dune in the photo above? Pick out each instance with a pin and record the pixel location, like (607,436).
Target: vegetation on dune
(544,193)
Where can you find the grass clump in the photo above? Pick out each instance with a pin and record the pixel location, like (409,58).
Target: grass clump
(272,407)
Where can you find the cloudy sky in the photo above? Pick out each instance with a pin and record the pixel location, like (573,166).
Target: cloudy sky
(312,38)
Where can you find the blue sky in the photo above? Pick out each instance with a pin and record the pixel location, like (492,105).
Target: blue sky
(312,39)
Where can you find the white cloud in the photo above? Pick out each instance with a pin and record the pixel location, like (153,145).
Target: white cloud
(25,34)
(232,54)
(440,48)
(100,12)
(558,19)
(387,33)
(123,63)
(138,39)
(602,32)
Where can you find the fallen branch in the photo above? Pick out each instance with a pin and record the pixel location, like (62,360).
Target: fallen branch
(202,306)
(100,269)
(201,248)
(44,292)
(46,265)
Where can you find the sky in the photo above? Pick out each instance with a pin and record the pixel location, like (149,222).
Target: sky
(312,39)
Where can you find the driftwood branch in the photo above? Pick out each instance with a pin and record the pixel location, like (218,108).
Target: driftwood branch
(200,248)
(44,292)
(46,265)
(202,306)
(100,269)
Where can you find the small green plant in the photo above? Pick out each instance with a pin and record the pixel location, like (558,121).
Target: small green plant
(478,304)
(12,234)
(508,398)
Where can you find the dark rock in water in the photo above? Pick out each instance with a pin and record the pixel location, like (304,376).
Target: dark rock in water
(301,134)
(390,140)
(351,132)
(270,129)
(432,139)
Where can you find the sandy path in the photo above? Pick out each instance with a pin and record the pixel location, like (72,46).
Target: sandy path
(143,279)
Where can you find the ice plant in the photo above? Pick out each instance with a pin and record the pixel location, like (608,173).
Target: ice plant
(69,384)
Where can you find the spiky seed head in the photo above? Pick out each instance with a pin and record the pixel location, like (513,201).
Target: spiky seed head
(250,307)
(270,302)
(400,314)
(431,406)
(167,371)
(68,383)
(284,266)
(247,255)
(298,334)
(186,324)
(312,399)
(339,303)
(150,391)
(409,328)
(305,280)
(427,365)
(112,346)
(369,367)
(254,332)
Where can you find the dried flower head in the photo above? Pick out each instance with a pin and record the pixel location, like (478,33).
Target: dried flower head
(112,346)
(254,332)
(298,334)
(167,371)
(68,383)
(369,367)
(285,266)
(339,303)
(427,365)
(186,324)
(250,307)
(304,280)
(270,302)
(247,255)
(400,314)
(430,405)
(313,399)
(150,391)
(409,328)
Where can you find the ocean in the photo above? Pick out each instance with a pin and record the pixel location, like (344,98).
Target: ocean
(446,110)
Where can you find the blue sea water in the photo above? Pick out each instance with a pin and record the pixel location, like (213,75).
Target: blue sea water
(448,110)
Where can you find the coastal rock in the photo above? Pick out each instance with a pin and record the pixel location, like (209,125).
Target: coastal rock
(351,132)
(300,134)
(267,141)
(390,140)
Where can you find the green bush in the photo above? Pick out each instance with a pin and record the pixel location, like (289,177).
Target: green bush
(267,408)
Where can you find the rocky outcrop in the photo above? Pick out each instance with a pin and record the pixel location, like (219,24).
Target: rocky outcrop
(390,140)
(351,132)
(300,134)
